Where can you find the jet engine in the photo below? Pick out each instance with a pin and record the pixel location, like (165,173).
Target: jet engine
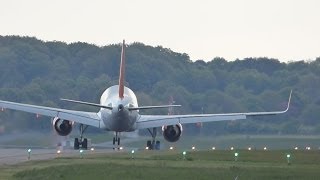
(62,127)
(172,133)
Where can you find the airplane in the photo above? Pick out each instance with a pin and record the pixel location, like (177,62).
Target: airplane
(119,112)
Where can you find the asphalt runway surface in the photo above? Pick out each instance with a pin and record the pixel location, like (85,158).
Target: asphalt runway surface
(9,156)
(14,154)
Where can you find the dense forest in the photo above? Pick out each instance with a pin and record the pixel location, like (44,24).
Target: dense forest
(38,72)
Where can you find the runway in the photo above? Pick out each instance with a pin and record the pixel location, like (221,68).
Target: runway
(10,156)
(11,153)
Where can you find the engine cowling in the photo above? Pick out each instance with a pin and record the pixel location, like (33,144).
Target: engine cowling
(62,127)
(172,133)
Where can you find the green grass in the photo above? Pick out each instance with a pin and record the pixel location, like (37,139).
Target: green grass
(170,164)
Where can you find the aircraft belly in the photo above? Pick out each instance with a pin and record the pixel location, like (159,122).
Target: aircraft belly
(120,121)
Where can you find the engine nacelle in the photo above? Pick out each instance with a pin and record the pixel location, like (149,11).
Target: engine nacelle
(62,127)
(172,133)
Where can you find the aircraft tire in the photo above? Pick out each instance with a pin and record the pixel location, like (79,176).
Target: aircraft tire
(76,143)
(85,143)
(149,145)
(157,146)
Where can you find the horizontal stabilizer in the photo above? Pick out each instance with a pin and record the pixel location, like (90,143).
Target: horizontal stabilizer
(152,107)
(87,103)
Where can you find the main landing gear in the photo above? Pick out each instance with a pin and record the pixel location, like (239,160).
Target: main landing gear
(116,139)
(81,143)
(153,144)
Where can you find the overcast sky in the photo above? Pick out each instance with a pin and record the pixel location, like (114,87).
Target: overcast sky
(204,29)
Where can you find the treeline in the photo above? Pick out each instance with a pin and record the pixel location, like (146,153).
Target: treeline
(38,72)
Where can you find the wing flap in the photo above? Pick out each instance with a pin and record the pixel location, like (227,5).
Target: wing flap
(88,118)
(148,121)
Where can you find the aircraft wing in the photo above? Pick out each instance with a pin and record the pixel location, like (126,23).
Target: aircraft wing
(87,118)
(149,121)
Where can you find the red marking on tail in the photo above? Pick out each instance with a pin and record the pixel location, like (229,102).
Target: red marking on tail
(122,71)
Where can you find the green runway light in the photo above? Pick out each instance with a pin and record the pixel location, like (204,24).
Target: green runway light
(29,153)
(81,153)
(132,153)
(236,156)
(288,155)
(288,159)
(184,153)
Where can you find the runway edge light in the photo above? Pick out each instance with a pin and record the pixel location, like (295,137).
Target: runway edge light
(236,156)
(132,153)
(184,153)
(81,153)
(29,153)
(288,159)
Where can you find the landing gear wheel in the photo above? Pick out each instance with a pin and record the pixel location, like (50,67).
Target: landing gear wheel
(153,144)
(81,142)
(76,143)
(116,139)
(149,145)
(84,143)
(157,147)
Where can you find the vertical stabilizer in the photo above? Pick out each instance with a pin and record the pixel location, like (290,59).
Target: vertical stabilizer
(122,71)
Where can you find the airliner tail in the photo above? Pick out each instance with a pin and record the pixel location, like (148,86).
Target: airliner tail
(122,72)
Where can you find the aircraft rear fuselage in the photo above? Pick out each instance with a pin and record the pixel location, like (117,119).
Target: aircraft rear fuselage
(119,119)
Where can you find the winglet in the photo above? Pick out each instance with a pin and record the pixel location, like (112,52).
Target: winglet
(271,112)
(288,106)
(122,71)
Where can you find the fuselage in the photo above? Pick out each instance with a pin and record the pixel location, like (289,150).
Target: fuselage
(119,119)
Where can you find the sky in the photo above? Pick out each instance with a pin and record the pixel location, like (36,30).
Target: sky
(288,30)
